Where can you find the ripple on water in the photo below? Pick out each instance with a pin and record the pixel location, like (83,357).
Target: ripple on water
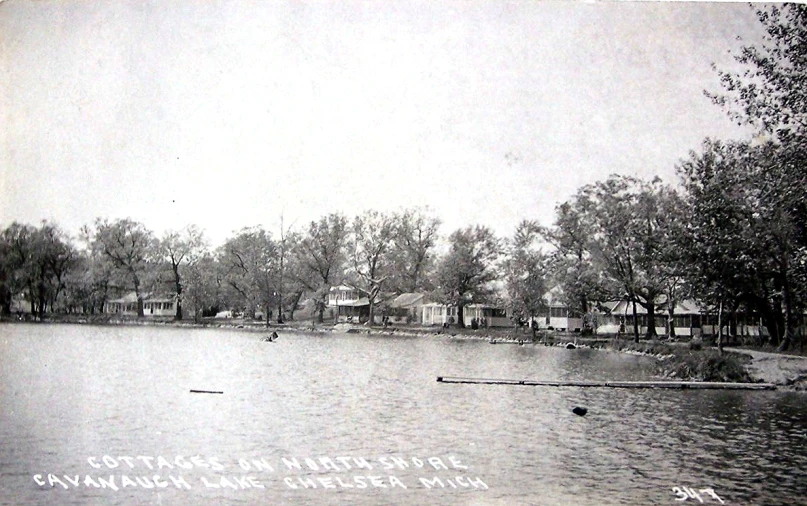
(74,391)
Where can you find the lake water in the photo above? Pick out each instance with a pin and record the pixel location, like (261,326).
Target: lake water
(71,395)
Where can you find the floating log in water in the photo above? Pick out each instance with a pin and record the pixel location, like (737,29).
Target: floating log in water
(681,385)
(206,392)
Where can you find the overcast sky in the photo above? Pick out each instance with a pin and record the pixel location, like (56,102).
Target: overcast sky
(229,114)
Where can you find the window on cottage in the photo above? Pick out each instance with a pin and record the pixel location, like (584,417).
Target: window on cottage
(558,312)
(682,321)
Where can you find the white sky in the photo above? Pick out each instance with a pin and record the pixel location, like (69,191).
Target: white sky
(227,114)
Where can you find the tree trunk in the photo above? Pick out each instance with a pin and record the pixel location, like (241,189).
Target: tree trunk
(671,321)
(788,323)
(720,327)
(43,301)
(460,317)
(651,321)
(732,327)
(671,311)
(635,322)
(178,288)
(32,298)
(137,294)
(295,301)
(771,320)
(281,287)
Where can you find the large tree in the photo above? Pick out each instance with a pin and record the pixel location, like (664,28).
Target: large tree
(250,267)
(180,250)
(18,262)
(469,266)
(97,276)
(628,219)
(526,269)
(57,257)
(129,246)
(769,93)
(35,261)
(746,238)
(570,261)
(285,282)
(374,234)
(416,234)
(201,285)
(319,258)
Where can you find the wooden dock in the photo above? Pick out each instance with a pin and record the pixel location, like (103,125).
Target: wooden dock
(679,385)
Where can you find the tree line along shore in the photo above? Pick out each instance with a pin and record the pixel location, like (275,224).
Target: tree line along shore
(731,235)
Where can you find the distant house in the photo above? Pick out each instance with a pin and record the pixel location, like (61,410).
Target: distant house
(620,319)
(341,294)
(434,313)
(689,319)
(20,303)
(153,305)
(558,316)
(486,316)
(349,304)
(405,308)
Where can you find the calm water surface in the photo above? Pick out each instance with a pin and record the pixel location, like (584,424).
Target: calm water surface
(68,393)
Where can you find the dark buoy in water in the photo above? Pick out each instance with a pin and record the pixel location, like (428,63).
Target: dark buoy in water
(580,411)
(270,339)
(571,346)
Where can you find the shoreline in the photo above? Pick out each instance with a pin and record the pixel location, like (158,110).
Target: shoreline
(675,361)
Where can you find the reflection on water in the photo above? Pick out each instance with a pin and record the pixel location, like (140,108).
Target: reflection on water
(72,392)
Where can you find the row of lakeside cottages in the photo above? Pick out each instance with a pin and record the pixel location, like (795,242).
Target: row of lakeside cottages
(347,304)
(414,308)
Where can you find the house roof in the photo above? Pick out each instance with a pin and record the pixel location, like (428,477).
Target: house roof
(681,308)
(147,297)
(408,300)
(345,288)
(485,306)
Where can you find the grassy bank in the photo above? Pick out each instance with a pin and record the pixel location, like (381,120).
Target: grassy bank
(682,362)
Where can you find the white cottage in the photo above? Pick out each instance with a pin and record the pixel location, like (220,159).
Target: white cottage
(153,305)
